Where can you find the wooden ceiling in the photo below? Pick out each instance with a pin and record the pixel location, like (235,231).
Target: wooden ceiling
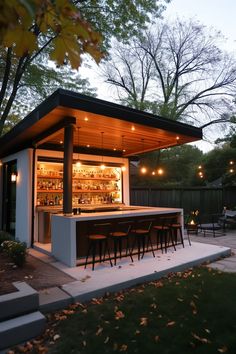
(99,127)
(95,131)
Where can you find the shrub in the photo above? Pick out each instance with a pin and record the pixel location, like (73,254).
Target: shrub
(4,236)
(16,250)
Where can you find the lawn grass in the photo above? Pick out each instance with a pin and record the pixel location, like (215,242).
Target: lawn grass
(194,311)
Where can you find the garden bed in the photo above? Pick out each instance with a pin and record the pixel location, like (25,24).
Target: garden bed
(36,273)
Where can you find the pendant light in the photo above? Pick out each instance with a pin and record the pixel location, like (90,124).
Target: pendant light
(123,168)
(143,168)
(102,164)
(78,162)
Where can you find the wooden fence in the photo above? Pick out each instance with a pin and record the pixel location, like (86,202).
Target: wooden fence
(206,200)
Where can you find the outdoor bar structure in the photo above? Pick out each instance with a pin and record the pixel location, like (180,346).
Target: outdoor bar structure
(66,166)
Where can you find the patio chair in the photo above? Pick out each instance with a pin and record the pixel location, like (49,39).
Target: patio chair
(211,225)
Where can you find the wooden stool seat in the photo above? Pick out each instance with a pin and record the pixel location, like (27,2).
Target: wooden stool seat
(142,237)
(118,236)
(97,237)
(98,243)
(164,233)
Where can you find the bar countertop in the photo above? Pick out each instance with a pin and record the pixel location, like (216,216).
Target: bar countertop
(127,211)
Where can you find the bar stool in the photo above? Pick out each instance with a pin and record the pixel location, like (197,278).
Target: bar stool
(98,241)
(176,229)
(142,237)
(164,233)
(121,234)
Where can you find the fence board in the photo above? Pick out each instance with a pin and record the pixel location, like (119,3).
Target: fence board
(206,200)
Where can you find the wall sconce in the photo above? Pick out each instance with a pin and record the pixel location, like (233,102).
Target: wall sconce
(13,177)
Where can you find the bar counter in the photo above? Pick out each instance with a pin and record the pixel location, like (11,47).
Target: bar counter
(68,232)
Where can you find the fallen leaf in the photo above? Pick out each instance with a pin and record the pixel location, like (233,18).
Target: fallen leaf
(154,306)
(84,343)
(194,307)
(143,321)
(123,348)
(201,339)
(180,300)
(42,350)
(119,314)
(56,337)
(96,301)
(224,349)
(99,331)
(156,338)
(68,312)
(137,332)
(106,340)
(159,284)
(207,330)
(85,278)
(171,323)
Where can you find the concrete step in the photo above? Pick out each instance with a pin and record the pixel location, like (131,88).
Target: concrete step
(21,329)
(24,300)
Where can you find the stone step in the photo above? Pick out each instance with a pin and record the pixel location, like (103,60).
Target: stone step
(24,300)
(21,329)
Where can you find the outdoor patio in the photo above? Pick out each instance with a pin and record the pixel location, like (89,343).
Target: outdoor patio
(90,284)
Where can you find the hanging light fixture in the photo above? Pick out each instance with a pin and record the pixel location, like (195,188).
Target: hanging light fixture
(78,162)
(143,168)
(102,164)
(123,168)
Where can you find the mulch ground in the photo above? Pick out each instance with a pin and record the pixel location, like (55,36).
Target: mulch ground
(36,273)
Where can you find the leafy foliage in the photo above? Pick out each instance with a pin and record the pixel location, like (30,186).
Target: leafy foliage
(16,250)
(32,31)
(216,164)
(178,163)
(22,21)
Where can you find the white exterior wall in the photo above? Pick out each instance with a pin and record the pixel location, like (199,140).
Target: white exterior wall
(23,194)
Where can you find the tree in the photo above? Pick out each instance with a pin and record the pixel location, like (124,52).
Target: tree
(40,81)
(179,165)
(176,70)
(220,163)
(65,30)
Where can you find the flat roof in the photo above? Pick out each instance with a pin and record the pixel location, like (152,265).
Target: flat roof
(101,127)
